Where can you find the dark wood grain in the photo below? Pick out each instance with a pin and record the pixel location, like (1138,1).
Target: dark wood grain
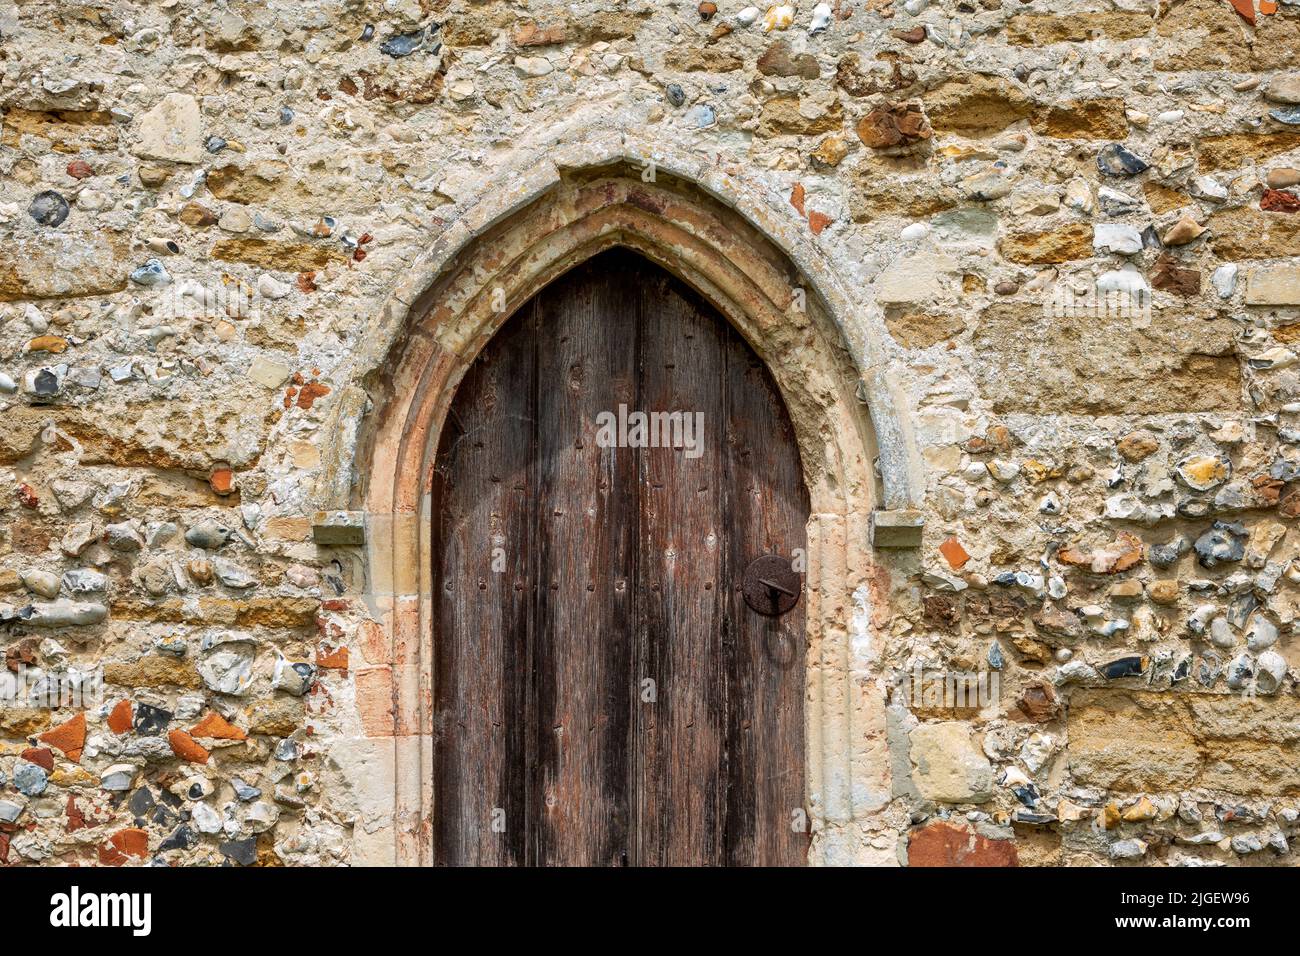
(586,541)
(483,500)
(767,513)
(622,566)
(681,745)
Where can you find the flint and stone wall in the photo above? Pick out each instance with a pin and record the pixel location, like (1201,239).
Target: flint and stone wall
(1057,247)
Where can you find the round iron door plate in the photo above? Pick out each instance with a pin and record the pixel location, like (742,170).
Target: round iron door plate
(771,585)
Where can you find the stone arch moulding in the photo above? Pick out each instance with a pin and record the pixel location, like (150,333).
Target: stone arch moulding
(759,269)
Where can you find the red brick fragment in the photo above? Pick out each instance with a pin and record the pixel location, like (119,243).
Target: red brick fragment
(123,845)
(308,394)
(222,480)
(1169,277)
(21,654)
(897,125)
(27,496)
(79,819)
(530,34)
(1289,505)
(43,757)
(1038,702)
(1268,489)
(1275,200)
(943,844)
(76,819)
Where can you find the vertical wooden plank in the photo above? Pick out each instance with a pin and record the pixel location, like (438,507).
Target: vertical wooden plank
(680,739)
(767,512)
(481,510)
(586,551)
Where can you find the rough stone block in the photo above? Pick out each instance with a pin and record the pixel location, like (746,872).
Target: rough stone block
(172,130)
(1040,29)
(1273,285)
(1255,234)
(1053,246)
(976,104)
(923,277)
(947,766)
(919,330)
(1229,151)
(1100,119)
(1143,741)
(1031,360)
(254,183)
(62,265)
(279,255)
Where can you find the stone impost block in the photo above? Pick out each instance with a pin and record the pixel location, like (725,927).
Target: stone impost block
(339,528)
(900,528)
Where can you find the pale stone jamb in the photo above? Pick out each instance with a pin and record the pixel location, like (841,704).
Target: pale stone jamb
(758,269)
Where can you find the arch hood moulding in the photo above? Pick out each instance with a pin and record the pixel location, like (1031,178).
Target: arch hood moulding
(540,175)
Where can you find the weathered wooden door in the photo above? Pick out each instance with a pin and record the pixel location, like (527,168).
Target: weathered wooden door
(604,695)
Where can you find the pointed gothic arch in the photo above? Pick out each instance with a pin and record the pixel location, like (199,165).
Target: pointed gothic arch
(854,441)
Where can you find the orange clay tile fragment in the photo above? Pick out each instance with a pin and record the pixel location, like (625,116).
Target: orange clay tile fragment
(122,845)
(186,747)
(796,197)
(817,221)
(69,736)
(48,343)
(119,719)
(131,841)
(308,394)
(954,553)
(218,728)
(1246,8)
(333,661)
(1126,551)
(222,480)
